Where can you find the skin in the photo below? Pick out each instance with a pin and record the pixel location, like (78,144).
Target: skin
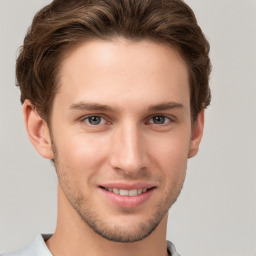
(138,95)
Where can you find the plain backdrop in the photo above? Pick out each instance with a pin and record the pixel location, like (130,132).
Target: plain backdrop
(216,212)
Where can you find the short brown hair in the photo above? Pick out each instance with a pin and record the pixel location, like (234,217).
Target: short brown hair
(62,25)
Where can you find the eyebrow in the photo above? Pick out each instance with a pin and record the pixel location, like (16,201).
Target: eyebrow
(101,107)
(166,106)
(91,106)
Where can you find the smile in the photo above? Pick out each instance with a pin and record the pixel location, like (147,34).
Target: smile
(128,195)
(124,192)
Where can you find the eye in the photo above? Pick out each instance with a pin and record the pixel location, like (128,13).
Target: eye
(94,120)
(159,120)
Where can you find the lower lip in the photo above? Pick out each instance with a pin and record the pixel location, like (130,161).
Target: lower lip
(128,201)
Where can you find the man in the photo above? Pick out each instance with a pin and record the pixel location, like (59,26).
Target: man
(114,94)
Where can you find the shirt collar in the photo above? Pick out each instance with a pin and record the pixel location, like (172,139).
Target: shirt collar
(39,248)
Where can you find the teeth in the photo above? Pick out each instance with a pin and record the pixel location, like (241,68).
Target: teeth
(133,192)
(116,190)
(124,192)
(139,191)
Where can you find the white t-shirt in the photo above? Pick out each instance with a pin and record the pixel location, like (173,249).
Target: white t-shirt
(39,248)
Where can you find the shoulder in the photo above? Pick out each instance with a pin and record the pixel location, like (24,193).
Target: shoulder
(36,248)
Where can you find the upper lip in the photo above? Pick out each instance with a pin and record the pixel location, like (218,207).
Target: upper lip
(128,186)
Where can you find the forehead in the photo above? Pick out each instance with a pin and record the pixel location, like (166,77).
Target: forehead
(123,71)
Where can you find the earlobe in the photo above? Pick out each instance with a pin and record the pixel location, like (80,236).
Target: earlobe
(196,135)
(37,130)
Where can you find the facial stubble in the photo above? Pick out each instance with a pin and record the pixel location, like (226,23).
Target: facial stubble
(96,222)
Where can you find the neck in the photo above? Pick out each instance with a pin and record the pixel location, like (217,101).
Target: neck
(74,237)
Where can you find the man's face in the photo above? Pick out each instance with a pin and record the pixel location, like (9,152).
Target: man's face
(121,130)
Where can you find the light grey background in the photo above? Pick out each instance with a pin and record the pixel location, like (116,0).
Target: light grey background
(216,213)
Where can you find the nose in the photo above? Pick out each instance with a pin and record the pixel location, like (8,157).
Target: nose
(128,150)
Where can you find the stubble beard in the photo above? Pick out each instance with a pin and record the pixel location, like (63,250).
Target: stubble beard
(96,222)
(119,233)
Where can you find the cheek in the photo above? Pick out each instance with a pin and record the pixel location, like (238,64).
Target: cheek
(170,154)
(171,148)
(173,165)
(80,154)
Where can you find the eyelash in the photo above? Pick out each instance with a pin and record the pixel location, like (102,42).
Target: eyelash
(161,116)
(87,118)
(92,116)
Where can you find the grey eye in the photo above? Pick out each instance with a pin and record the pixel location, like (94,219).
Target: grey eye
(159,119)
(95,120)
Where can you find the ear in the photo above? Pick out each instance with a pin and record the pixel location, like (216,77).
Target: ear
(37,130)
(196,136)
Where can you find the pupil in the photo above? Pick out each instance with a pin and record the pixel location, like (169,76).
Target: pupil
(94,120)
(159,119)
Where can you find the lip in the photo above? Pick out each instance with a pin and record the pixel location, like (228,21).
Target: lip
(128,186)
(127,201)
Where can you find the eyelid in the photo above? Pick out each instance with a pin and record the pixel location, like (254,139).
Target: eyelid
(171,118)
(108,120)
(86,117)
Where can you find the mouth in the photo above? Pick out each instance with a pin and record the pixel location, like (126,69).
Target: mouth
(125,192)
(128,196)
